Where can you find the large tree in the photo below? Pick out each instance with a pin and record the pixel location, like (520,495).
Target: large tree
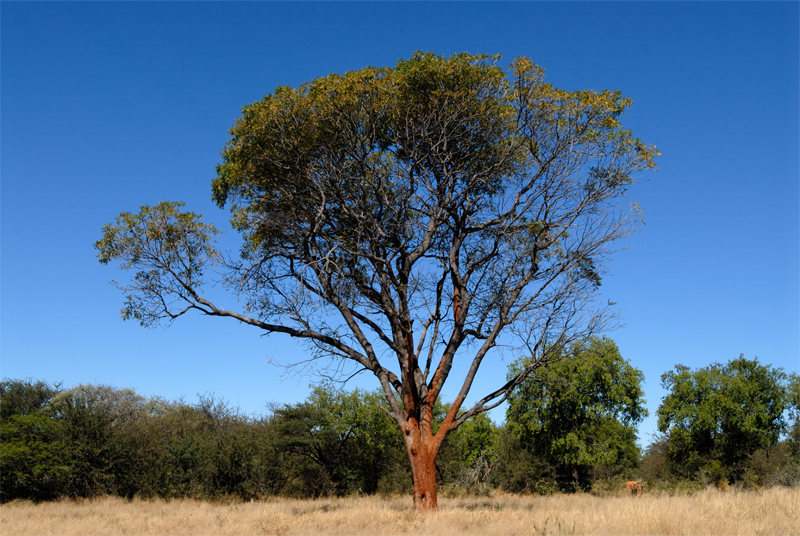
(717,416)
(401,218)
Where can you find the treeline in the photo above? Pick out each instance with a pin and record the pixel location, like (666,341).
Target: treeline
(573,427)
(96,440)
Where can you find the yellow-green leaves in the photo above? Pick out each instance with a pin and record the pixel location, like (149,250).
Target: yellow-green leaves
(169,250)
(159,231)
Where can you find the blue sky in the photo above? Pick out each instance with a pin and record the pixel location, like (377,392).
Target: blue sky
(106,106)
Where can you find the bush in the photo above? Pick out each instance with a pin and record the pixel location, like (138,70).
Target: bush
(33,459)
(25,397)
(787,475)
(520,471)
(33,455)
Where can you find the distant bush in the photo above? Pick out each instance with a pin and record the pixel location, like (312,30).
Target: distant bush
(788,475)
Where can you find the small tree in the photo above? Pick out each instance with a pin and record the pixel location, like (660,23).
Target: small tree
(339,433)
(719,415)
(469,457)
(580,412)
(399,218)
(91,417)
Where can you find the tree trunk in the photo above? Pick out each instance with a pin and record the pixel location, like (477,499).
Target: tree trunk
(422,455)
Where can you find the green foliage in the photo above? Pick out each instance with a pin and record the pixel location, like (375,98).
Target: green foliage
(579,413)
(209,450)
(518,470)
(367,122)
(654,467)
(349,169)
(767,466)
(33,456)
(348,440)
(90,417)
(470,455)
(793,440)
(91,440)
(718,416)
(365,125)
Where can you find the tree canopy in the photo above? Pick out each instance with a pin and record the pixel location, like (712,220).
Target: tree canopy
(418,211)
(717,416)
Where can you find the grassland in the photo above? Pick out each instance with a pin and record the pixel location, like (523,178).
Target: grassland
(711,512)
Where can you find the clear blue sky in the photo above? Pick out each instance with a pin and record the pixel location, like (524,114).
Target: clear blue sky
(110,105)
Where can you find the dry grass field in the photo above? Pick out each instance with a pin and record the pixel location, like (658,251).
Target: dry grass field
(772,511)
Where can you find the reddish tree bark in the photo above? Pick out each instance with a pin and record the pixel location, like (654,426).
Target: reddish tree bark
(422,447)
(423,475)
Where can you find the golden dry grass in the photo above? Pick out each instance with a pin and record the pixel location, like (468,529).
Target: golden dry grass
(772,511)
